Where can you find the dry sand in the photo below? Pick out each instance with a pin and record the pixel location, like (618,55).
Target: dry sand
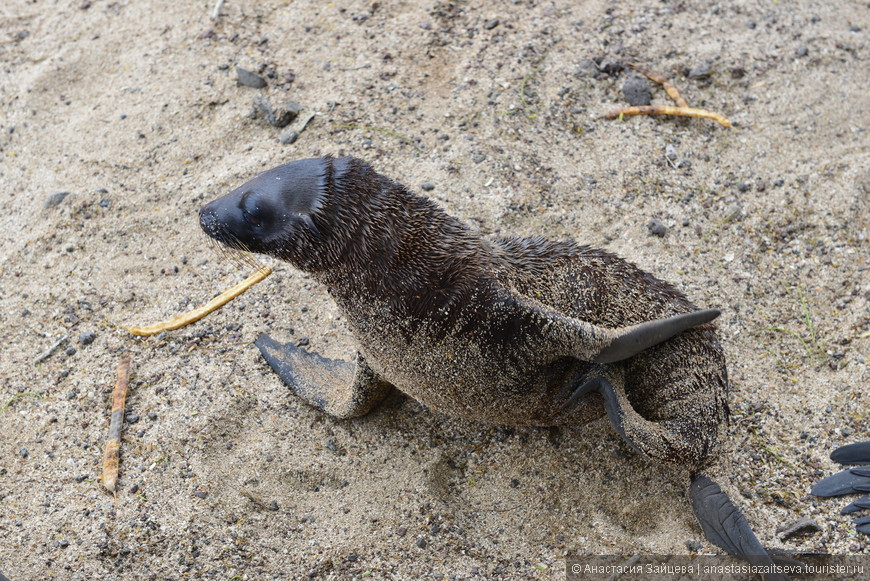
(134,109)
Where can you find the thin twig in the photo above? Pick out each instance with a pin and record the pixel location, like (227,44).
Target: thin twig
(216,13)
(45,355)
(112,451)
(179,321)
(16,396)
(666,110)
(671,90)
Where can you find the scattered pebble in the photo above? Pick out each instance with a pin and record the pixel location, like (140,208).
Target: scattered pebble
(273,506)
(421,542)
(801,527)
(55,199)
(401,531)
(132,418)
(249,78)
(280,115)
(693,546)
(70,351)
(636,91)
(427,186)
(587,68)
(24,452)
(87,337)
(288,137)
(134,489)
(610,67)
(200,494)
(656,228)
(671,152)
(802,52)
(490,24)
(478,157)
(699,72)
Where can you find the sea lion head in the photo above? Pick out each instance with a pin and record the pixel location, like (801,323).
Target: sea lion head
(273,213)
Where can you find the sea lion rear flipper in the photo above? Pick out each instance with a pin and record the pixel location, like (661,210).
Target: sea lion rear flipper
(629,341)
(726,527)
(341,389)
(850,481)
(856,453)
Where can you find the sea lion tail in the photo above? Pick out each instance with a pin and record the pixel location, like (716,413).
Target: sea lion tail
(726,527)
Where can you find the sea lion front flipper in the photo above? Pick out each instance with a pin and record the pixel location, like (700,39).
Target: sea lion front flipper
(341,389)
(726,527)
(850,481)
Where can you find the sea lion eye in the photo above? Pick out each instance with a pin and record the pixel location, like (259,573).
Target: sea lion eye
(251,212)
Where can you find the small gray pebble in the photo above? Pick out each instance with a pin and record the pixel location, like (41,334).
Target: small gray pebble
(656,228)
(288,137)
(611,67)
(802,52)
(152,416)
(401,531)
(273,506)
(63,543)
(855,28)
(671,152)
(132,418)
(105,203)
(134,489)
(700,72)
(693,546)
(778,183)
(421,542)
(743,186)
(200,494)
(636,91)
(70,351)
(24,452)
(55,199)
(586,68)
(427,186)
(249,78)
(302,342)
(81,477)
(491,24)
(87,337)
(478,157)
(280,115)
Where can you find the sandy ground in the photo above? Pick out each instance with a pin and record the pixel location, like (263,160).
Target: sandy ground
(134,109)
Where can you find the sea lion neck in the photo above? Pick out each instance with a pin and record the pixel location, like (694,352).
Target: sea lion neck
(386,242)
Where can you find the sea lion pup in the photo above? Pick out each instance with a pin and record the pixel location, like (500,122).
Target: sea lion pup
(506,330)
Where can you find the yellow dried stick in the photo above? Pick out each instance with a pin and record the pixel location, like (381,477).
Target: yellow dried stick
(196,314)
(664,110)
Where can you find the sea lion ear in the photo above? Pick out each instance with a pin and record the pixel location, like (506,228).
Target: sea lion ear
(629,341)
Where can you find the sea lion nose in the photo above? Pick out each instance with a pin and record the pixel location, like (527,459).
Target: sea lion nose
(208,217)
